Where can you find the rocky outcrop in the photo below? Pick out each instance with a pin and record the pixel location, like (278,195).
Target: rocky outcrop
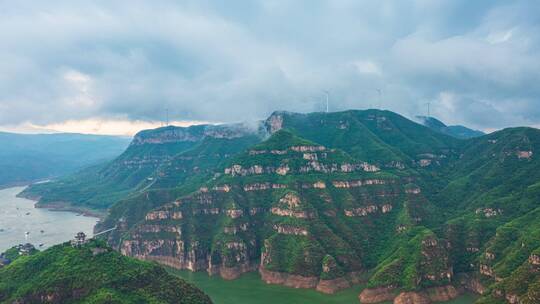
(275,122)
(292,213)
(361,211)
(534,260)
(332,286)
(291,230)
(411,297)
(263,186)
(286,279)
(359,183)
(377,295)
(472,283)
(315,185)
(524,154)
(442,293)
(172,134)
(426,296)
(488,212)
(486,270)
(231,273)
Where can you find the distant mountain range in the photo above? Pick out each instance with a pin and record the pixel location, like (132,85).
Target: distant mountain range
(26,158)
(455,131)
(327,200)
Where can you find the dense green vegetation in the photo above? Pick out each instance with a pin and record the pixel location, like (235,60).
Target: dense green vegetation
(330,194)
(26,158)
(152,154)
(93,273)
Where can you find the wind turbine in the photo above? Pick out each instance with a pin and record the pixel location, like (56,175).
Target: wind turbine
(327,97)
(428,105)
(379,91)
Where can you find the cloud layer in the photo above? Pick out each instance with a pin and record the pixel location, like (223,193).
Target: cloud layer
(477,63)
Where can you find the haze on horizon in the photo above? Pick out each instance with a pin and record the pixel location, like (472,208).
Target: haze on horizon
(113,67)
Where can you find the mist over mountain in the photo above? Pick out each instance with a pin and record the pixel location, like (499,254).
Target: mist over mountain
(26,158)
(456,131)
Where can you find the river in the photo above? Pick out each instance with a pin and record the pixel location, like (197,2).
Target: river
(250,289)
(18,216)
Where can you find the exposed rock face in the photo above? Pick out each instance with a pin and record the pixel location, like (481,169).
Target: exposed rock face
(286,229)
(427,296)
(362,211)
(286,279)
(377,295)
(332,286)
(524,154)
(359,183)
(174,134)
(425,162)
(442,294)
(275,122)
(231,273)
(486,270)
(413,191)
(411,298)
(473,284)
(488,212)
(512,298)
(222,188)
(263,186)
(534,259)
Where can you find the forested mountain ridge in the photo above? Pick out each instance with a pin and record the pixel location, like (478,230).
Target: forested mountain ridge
(323,200)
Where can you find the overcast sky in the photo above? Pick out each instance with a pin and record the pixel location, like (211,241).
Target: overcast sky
(115,66)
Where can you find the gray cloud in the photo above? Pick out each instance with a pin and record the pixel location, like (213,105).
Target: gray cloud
(478,63)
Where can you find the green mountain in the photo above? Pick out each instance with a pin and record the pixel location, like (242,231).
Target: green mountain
(26,158)
(93,273)
(326,200)
(455,131)
(136,169)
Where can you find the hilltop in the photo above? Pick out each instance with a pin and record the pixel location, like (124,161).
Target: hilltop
(457,131)
(92,273)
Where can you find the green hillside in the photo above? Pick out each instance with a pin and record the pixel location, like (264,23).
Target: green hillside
(100,186)
(91,274)
(324,200)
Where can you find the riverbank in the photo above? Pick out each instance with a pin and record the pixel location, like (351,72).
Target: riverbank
(64,206)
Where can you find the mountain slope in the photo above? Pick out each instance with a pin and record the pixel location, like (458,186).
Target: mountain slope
(25,158)
(91,274)
(100,186)
(455,131)
(332,197)
(308,212)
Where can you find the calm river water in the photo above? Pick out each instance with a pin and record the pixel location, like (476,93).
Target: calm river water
(18,216)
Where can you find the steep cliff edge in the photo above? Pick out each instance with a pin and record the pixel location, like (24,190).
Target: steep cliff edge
(305,211)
